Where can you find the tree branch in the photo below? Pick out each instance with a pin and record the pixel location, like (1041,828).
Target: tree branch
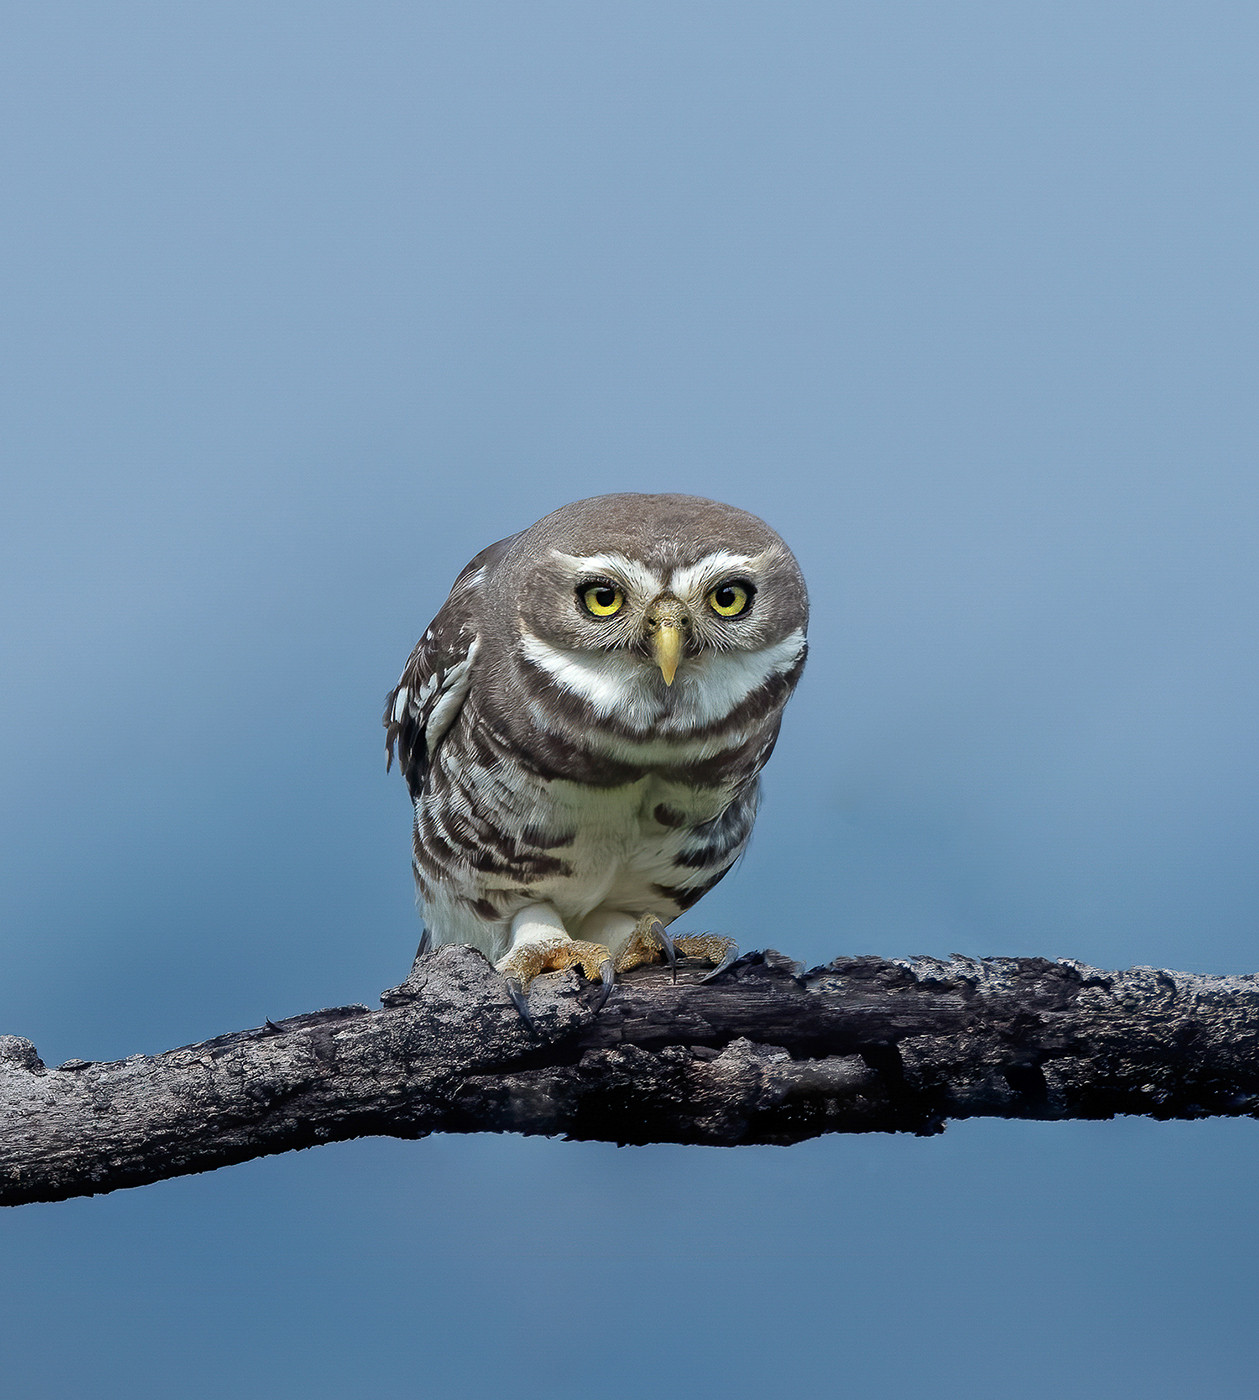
(766,1054)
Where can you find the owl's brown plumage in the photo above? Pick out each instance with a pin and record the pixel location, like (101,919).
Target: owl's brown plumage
(582,724)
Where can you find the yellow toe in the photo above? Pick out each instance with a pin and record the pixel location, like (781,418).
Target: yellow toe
(527,960)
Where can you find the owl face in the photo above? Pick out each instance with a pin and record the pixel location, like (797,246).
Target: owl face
(667,582)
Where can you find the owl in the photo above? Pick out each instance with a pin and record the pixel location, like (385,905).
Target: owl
(583,725)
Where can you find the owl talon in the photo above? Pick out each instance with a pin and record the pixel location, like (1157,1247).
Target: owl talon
(670,949)
(607,973)
(727,958)
(521,1002)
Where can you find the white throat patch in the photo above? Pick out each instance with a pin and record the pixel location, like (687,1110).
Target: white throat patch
(706,690)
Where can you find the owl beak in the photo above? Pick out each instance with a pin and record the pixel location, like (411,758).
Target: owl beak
(669,626)
(666,645)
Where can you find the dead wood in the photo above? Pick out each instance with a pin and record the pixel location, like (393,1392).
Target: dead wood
(769,1053)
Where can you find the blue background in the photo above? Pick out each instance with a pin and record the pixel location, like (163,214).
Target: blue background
(305,304)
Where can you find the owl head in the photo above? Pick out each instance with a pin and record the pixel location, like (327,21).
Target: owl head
(625,597)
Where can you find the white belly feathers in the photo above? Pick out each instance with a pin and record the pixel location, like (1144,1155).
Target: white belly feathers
(621,852)
(621,857)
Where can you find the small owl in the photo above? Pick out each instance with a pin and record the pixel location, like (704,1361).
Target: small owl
(583,724)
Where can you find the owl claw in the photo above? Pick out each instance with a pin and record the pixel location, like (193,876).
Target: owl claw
(670,951)
(521,1002)
(727,958)
(607,974)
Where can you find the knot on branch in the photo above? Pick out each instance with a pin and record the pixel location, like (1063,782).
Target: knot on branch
(16,1052)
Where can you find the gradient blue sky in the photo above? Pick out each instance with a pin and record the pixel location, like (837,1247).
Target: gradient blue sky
(303,305)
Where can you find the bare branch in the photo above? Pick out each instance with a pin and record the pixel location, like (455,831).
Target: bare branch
(767,1054)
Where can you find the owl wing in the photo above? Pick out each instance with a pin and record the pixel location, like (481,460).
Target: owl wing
(437,677)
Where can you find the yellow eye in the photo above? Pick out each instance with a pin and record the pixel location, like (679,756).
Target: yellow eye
(730,599)
(602,600)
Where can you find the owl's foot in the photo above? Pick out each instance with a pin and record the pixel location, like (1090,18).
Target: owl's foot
(527,959)
(647,943)
(711,948)
(650,940)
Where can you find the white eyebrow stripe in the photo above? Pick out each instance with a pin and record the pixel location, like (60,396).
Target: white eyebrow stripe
(636,576)
(713,567)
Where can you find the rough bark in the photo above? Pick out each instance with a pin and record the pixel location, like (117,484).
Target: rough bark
(766,1054)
